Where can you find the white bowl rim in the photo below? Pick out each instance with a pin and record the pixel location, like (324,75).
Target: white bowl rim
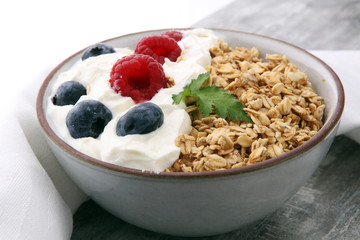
(331,123)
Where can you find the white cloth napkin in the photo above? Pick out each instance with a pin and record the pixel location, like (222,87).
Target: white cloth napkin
(30,203)
(346,65)
(38,198)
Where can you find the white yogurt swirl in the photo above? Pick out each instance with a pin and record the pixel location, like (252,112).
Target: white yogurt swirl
(154,151)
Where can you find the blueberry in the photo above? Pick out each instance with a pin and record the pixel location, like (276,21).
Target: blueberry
(88,118)
(96,50)
(68,93)
(141,119)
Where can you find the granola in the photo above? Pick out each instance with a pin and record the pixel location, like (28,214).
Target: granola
(278,97)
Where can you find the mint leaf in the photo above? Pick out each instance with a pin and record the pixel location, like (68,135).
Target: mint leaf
(235,112)
(225,104)
(177,98)
(192,87)
(210,97)
(205,106)
(197,83)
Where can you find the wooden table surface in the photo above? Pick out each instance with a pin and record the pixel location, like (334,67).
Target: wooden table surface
(328,205)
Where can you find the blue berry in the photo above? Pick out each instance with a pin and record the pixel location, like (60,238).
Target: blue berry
(96,50)
(141,119)
(68,93)
(88,118)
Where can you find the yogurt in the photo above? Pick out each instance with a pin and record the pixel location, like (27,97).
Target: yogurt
(154,151)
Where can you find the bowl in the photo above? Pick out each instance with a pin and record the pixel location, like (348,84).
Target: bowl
(202,203)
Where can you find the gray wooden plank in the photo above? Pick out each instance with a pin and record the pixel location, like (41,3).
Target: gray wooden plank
(310,24)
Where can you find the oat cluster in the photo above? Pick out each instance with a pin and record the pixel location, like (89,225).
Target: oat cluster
(284,108)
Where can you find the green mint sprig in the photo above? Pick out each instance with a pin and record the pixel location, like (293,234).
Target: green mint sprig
(210,97)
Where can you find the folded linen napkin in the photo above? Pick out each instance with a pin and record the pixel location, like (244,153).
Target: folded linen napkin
(38,198)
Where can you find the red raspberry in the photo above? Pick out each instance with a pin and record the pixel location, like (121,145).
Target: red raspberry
(137,76)
(159,47)
(176,35)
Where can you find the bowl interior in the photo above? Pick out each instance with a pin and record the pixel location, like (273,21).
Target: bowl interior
(324,80)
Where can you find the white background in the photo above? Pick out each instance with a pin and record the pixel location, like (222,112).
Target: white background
(36,35)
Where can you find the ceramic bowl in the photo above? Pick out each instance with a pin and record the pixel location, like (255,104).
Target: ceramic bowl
(203,203)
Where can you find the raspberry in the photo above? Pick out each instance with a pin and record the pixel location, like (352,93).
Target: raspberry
(159,47)
(137,76)
(176,35)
